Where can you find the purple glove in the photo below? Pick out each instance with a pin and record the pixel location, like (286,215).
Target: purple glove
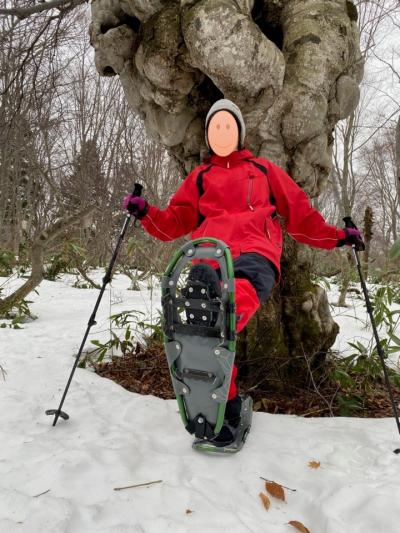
(353,236)
(136,205)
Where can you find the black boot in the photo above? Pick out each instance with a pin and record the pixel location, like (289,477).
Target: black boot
(202,283)
(231,422)
(233,410)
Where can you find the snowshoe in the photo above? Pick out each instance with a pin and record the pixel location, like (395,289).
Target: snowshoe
(199,326)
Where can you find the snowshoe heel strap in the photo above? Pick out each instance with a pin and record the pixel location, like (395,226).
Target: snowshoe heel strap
(201,428)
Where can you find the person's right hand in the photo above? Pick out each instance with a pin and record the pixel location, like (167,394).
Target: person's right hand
(136,205)
(352,237)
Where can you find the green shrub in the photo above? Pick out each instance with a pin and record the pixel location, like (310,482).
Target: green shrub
(124,343)
(7,262)
(19,314)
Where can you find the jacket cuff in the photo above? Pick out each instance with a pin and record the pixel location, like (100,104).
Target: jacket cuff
(341,236)
(143,212)
(145,219)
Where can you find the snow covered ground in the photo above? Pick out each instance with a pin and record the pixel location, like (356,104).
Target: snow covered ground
(62,479)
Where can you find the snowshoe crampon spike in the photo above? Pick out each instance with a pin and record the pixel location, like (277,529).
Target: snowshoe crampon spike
(57,413)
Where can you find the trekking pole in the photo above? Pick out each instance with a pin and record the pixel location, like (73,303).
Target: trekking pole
(350,224)
(137,191)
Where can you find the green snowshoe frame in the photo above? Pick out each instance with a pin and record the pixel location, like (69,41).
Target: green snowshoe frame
(200,358)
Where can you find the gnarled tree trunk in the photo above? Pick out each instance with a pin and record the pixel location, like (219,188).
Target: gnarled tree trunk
(293,67)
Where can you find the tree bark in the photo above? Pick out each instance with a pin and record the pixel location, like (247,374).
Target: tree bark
(368,225)
(398,156)
(344,279)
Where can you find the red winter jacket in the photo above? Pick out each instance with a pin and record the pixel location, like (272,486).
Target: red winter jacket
(236,206)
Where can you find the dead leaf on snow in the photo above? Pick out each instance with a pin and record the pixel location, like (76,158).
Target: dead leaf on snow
(189,511)
(275,490)
(265,500)
(299,526)
(314,464)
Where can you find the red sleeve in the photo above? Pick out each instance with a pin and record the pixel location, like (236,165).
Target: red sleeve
(180,217)
(304,223)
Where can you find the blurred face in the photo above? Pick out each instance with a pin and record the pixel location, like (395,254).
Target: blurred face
(223,133)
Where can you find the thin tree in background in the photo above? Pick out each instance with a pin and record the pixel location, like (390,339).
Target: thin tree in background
(348,181)
(367,235)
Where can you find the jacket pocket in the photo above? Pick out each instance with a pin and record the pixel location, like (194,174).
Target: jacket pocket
(273,230)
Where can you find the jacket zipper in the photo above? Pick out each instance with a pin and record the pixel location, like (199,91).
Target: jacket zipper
(266,225)
(249,193)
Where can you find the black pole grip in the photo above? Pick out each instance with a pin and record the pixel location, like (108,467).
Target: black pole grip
(349,223)
(137,190)
(357,242)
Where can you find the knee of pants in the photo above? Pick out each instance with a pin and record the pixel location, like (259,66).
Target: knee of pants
(233,387)
(247,302)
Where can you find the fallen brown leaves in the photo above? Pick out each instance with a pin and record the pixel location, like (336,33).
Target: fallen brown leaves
(309,403)
(299,526)
(314,464)
(275,490)
(265,500)
(144,371)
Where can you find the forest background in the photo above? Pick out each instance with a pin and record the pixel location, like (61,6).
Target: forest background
(71,148)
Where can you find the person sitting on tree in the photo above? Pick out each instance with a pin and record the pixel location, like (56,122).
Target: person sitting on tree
(236,197)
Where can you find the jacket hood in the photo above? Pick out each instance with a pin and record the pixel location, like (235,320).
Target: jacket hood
(230,160)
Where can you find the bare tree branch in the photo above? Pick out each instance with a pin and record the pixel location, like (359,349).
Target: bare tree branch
(398,156)
(377,129)
(28,52)
(50,234)
(25,12)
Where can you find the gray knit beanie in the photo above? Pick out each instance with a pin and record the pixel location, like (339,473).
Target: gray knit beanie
(227,105)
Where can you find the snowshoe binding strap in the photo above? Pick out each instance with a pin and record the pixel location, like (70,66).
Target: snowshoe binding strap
(201,375)
(200,428)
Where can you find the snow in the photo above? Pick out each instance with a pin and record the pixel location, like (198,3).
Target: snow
(62,479)
(353,320)
(355,324)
